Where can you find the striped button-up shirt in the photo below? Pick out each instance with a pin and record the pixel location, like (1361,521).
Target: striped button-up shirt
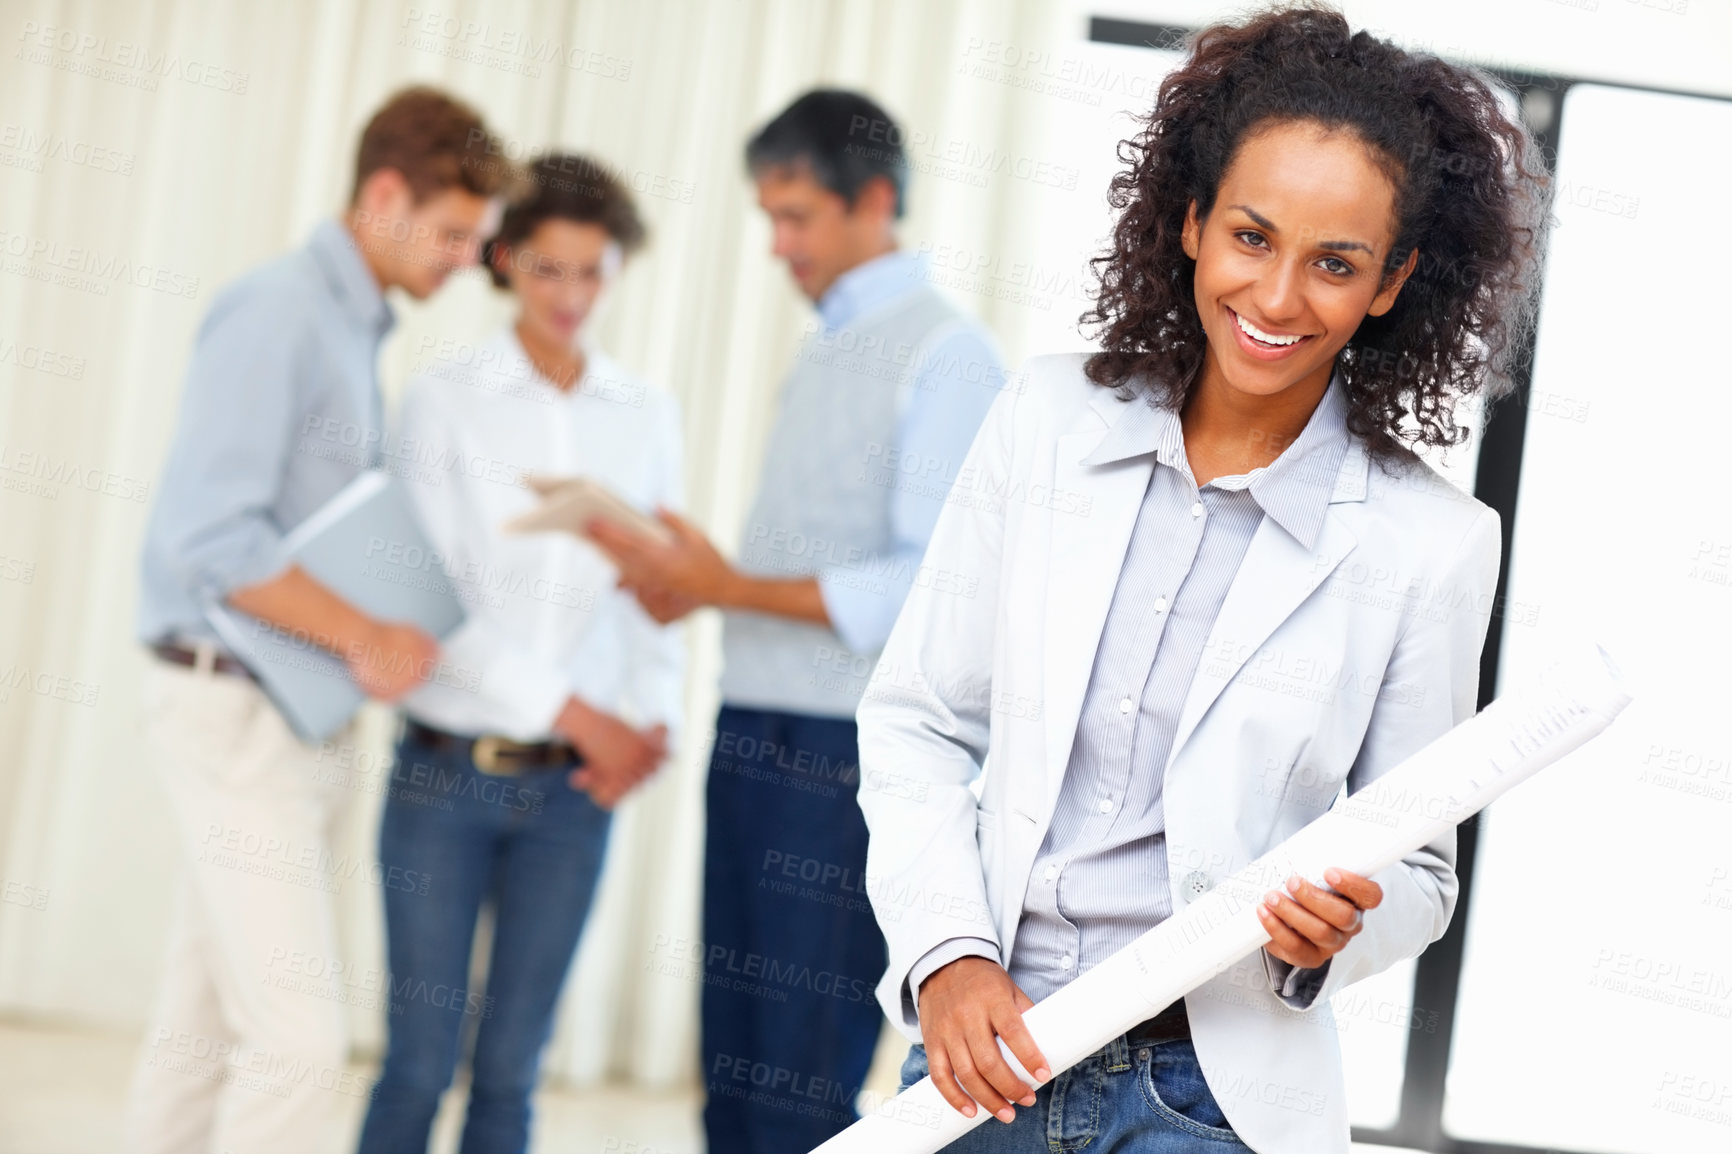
(1100,879)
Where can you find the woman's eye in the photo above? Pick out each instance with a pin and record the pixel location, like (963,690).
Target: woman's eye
(1254,239)
(1336,265)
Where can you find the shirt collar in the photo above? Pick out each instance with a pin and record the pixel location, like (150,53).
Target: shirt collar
(1294,489)
(334,250)
(869,285)
(513,360)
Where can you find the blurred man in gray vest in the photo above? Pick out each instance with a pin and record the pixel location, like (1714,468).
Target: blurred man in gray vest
(885,395)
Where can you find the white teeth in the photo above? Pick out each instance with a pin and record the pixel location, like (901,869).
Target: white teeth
(1256,333)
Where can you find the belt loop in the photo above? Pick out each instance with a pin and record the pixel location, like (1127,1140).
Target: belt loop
(204,658)
(1118,1055)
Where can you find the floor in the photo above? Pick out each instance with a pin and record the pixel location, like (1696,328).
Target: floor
(61,1091)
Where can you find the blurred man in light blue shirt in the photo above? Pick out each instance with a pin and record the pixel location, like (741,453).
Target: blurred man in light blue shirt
(875,418)
(280,411)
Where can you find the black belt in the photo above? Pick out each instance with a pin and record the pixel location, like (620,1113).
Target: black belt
(1170,1025)
(496,755)
(176,654)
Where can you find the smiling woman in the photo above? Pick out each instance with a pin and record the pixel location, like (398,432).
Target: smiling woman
(1437,246)
(1325,243)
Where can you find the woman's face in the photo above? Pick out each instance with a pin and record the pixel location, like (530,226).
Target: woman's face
(1290,260)
(558,272)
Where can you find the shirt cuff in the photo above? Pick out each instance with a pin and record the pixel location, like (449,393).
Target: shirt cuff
(861,617)
(1296,987)
(943,954)
(256,565)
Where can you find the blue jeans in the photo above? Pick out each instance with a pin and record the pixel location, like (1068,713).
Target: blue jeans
(532,847)
(791,948)
(1121,1098)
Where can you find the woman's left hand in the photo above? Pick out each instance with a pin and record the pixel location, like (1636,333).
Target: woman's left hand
(1308,925)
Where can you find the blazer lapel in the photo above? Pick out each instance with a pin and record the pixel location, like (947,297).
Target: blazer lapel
(1083,565)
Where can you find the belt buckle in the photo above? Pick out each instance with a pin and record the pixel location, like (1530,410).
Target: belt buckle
(485,754)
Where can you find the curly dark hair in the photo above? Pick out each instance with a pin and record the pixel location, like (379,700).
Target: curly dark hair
(1472,196)
(568,186)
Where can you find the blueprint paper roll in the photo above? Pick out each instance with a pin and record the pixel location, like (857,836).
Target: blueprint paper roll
(1412,805)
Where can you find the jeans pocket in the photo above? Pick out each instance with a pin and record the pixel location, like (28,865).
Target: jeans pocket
(1074,1106)
(1172,1083)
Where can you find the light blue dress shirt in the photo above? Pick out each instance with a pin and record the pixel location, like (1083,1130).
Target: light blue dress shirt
(281,409)
(950,391)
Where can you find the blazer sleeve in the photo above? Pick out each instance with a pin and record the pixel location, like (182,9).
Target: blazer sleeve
(924,725)
(1433,678)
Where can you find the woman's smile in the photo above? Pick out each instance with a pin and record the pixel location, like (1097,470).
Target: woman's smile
(1263,344)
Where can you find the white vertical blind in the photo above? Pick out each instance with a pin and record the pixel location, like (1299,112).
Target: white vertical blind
(200,138)
(1596,1001)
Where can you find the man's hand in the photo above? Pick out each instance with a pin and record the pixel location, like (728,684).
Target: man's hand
(391,659)
(662,605)
(616,757)
(964,1009)
(672,579)
(1308,925)
(687,569)
(386,659)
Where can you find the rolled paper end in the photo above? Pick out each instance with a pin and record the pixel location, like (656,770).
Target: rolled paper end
(1611,665)
(1588,675)
(1621,693)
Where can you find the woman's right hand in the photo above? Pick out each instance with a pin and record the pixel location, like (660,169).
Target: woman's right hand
(965,1008)
(616,757)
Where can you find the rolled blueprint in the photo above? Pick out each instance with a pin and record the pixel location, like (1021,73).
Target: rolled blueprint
(1412,805)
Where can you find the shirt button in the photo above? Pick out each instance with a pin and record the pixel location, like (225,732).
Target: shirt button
(1066,961)
(1195,885)
(1126,705)
(1197,509)
(1051,872)
(1106,805)
(1160,605)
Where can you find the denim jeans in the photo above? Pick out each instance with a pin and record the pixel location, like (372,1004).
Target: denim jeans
(1122,1098)
(531,847)
(792,951)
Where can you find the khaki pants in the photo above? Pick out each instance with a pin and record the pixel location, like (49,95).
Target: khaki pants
(243,1055)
